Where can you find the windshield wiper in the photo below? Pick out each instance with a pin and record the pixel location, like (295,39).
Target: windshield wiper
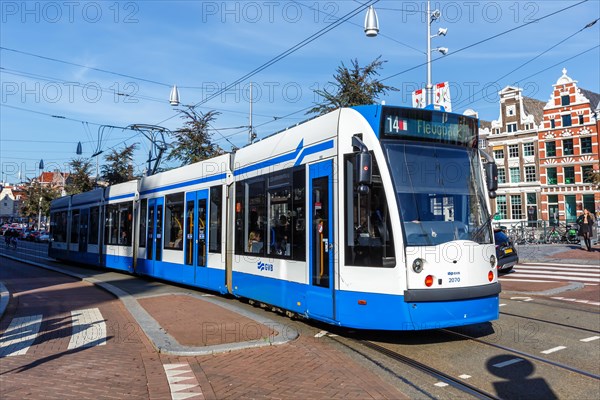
(480,229)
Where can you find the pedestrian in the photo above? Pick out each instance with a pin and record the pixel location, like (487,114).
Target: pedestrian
(586,221)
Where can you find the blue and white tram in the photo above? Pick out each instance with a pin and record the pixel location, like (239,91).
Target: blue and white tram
(369,217)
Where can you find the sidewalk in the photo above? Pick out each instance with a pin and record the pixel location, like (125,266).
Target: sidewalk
(205,333)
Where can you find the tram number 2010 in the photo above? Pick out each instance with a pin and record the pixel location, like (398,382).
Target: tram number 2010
(454,279)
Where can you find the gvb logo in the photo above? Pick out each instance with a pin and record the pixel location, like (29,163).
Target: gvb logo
(264,266)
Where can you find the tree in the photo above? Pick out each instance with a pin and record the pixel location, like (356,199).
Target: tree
(354,87)
(31,202)
(79,179)
(594,178)
(119,165)
(192,142)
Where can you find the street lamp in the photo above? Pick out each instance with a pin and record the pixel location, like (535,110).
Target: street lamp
(371,28)
(41,167)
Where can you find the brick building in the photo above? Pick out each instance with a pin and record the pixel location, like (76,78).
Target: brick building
(568,151)
(512,141)
(544,152)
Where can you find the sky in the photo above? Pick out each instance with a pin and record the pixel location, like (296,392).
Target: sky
(81,71)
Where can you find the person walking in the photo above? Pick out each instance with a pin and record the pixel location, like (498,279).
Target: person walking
(586,221)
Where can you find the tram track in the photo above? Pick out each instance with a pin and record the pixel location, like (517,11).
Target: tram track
(523,354)
(456,383)
(595,331)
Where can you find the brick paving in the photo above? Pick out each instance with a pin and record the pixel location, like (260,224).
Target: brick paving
(49,370)
(129,366)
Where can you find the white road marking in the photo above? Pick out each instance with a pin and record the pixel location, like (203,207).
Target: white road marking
(181,372)
(321,334)
(561,265)
(558,277)
(523,280)
(559,272)
(441,384)
(509,362)
(20,335)
(502,305)
(592,338)
(521,298)
(555,349)
(89,329)
(464,376)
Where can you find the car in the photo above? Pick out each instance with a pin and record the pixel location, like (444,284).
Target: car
(43,237)
(506,253)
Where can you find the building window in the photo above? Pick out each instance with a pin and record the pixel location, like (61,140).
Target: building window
(552,124)
(499,154)
(566,120)
(565,100)
(580,118)
(551,176)
(496,131)
(510,110)
(501,175)
(530,173)
(501,206)
(513,151)
(569,174)
(550,149)
(529,149)
(515,175)
(515,207)
(586,173)
(511,127)
(568,147)
(586,145)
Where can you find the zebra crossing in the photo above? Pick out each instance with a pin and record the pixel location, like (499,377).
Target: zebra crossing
(88,329)
(589,275)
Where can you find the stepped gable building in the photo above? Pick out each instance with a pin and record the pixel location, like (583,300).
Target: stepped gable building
(512,141)
(568,151)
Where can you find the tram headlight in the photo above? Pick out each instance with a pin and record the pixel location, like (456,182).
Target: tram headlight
(493,260)
(418,265)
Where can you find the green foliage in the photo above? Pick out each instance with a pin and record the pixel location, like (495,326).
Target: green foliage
(79,179)
(192,142)
(354,87)
(31,202)
(119,165)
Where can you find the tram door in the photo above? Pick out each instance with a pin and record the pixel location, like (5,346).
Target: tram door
(83,230)
(320,296)
(154,242)
(196,237)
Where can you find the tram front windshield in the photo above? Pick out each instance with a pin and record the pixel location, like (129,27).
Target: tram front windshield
(439,191)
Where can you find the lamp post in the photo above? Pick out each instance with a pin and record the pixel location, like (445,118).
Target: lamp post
(371,28)
(41,167)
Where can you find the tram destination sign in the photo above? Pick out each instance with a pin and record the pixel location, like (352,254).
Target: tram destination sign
(429,125)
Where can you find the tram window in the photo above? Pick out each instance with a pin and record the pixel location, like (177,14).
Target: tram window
(298,219)
(173,221)
(279,233)
(74,226)
(369,240)
(118,224)
(58,226)
(215,221)
(143,221)
(240,202)
(94,224)
(111,223)
(256,218)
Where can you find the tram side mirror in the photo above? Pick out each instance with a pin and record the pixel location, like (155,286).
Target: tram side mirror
(363,171)
(491,177)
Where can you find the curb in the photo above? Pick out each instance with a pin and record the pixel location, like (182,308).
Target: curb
(161,340)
